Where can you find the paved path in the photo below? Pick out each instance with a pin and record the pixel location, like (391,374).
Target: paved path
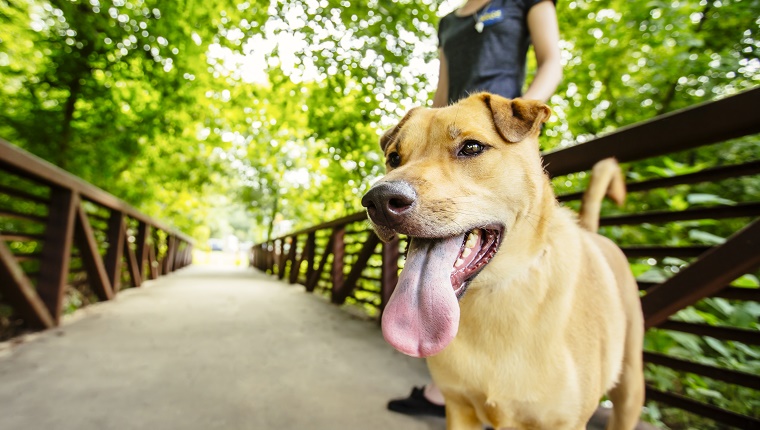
(208,348)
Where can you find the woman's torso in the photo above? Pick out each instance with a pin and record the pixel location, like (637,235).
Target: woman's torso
(493,59)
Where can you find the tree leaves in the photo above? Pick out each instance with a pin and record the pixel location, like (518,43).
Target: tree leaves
(284,102)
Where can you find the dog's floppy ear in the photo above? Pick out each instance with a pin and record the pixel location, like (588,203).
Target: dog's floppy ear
(390,135)
(518,118)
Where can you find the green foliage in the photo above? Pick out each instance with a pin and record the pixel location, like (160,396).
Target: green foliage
(626,62)
(708,351)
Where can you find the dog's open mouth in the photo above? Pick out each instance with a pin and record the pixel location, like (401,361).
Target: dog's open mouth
(422,315)
(478,248)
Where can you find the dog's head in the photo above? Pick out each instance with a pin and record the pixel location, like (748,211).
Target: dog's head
(458,178)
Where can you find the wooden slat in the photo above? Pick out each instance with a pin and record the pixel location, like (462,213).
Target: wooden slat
(34,256)
(751,337)
(20,293)
(736,293)
(56,249)
(664,251)
(93,262)
(21,237)
(731,376)
(707,175)
(644,285)
(709,274)
(741,210)
(21,216)
(317,274)
(23,195)
(729,293)
(713,174)
(703,409)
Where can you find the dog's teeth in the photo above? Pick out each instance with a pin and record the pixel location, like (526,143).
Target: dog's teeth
(466,252)
(472,239)
(459,262)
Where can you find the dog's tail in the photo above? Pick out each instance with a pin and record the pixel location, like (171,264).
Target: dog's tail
(606,179)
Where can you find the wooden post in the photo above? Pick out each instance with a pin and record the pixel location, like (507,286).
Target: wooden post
(338,252)
(280,255)
(116,240)
(313,280)
(141,250)
(171,252)
(341,292)
(293,257)
(308,254)
(389,274)
(56,251)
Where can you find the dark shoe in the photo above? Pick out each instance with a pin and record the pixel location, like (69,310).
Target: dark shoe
(417,404)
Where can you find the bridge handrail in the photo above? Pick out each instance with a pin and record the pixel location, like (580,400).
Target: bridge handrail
(688,128)
(13,158)
(44,218)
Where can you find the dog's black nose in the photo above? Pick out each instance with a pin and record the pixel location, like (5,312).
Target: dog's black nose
(388,202)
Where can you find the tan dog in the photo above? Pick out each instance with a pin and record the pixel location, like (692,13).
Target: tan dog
(553,319)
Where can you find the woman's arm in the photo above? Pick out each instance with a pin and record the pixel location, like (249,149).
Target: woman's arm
(544,33)
(441,98)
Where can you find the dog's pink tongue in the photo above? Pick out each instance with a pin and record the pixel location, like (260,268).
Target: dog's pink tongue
(422,315)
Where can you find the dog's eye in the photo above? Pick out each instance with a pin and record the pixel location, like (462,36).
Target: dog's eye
(394,159)
(471,148)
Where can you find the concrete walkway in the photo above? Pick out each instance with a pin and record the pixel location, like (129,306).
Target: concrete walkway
(208,348)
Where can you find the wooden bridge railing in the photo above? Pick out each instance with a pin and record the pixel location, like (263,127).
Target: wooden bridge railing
(344,259)
(64,241)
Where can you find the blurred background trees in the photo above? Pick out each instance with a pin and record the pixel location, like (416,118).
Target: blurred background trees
(196,111)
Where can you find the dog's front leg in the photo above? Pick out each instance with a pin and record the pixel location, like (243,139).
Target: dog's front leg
(461,416)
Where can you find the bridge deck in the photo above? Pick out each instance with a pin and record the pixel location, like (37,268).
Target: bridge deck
(209,348)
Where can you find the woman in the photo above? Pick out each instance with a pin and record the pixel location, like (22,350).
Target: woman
(483,46)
